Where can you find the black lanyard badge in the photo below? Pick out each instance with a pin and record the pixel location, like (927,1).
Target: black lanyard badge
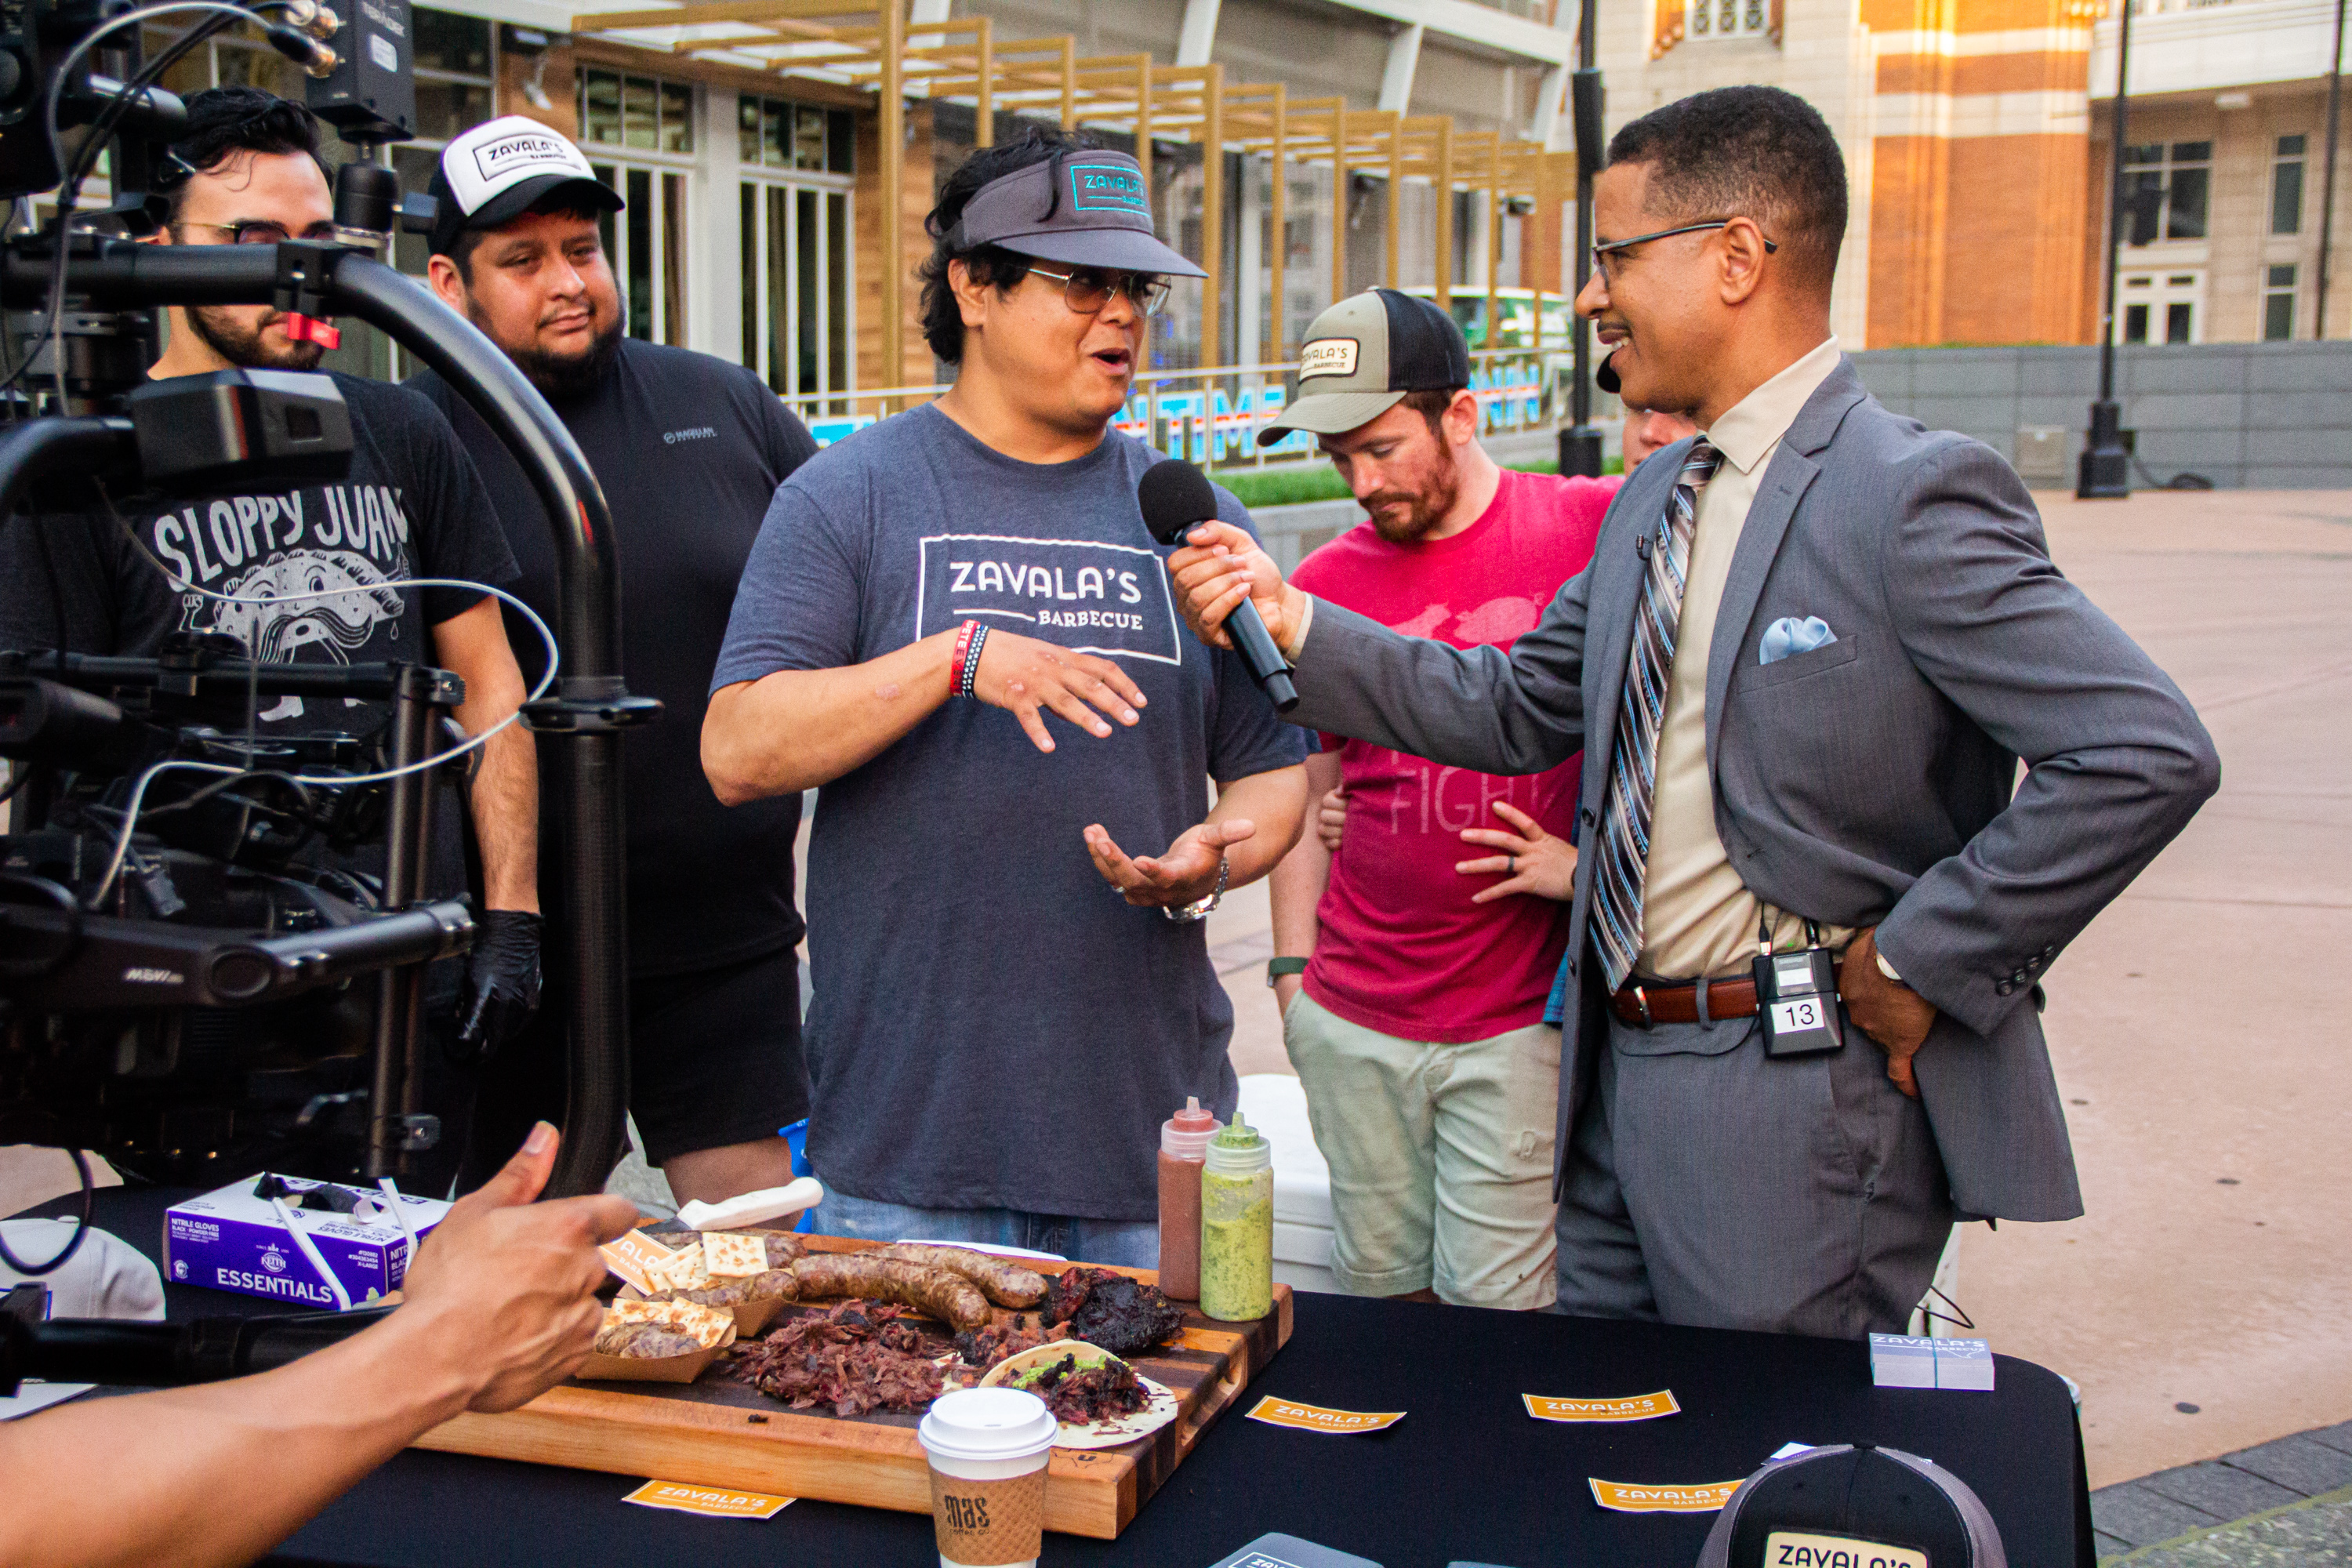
(1796,996)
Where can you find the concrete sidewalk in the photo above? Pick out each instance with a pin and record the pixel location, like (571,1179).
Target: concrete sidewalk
(2205,1300)
(2282,1504)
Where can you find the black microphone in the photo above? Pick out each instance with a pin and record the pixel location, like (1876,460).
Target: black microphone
(1606,376)
(1176,497)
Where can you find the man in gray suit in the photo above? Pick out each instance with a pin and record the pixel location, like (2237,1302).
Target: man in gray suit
(1813,643)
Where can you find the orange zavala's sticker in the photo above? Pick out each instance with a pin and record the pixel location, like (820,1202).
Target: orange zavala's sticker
(1632,1407)
(716,1502)
(632,1255)
(1315,1418)
(1625,1497)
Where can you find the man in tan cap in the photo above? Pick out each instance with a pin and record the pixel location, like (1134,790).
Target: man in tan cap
(1413,981)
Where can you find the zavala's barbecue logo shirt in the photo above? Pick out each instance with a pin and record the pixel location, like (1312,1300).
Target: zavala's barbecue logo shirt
(1108,599)
(317,559)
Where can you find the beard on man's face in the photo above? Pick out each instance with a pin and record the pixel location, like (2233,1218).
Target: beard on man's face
(564,375)
(1406,517)
(241,345)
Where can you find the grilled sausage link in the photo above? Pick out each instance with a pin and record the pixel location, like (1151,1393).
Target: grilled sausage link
(935,1292)
(1003,1282)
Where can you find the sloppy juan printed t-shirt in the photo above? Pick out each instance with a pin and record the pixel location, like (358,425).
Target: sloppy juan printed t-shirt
(689,450)
(991,1024)
(411,506)
(1401,948)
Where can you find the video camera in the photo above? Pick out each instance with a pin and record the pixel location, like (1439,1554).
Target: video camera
(180,989)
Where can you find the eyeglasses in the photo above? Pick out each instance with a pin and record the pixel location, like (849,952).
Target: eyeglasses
(1086,290)
(261,233)
(1607,248)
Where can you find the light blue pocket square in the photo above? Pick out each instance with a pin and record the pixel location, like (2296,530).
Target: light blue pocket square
(1788,634)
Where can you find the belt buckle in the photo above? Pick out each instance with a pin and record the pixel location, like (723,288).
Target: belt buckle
(1642,1000)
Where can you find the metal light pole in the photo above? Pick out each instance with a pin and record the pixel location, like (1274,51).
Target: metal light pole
(2328,179)
(1580,445)
(2104,469)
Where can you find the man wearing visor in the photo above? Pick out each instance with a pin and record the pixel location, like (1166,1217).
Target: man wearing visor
(1011,984)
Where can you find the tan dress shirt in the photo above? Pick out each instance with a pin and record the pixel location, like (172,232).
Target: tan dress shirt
(1697,916)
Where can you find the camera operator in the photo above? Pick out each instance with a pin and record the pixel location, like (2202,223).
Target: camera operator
(689,450)
(123,576)
(499,1307)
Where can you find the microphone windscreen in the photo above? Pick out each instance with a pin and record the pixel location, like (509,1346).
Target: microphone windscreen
(1606,376)
(1175,497)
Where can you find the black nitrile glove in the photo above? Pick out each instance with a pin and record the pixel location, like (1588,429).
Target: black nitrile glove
(501,980)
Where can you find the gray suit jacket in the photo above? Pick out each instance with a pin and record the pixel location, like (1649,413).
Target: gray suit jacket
(1868,781)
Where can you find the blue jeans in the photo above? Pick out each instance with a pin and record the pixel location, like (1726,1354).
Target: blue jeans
(1129,1244)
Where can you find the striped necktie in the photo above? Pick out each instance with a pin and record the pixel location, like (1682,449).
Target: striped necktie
(1633,767)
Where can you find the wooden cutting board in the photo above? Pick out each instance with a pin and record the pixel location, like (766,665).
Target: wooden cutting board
(720,1433)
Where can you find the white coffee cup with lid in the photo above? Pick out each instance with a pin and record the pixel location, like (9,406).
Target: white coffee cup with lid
(987,1449)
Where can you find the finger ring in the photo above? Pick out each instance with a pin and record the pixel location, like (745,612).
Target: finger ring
(1514,862)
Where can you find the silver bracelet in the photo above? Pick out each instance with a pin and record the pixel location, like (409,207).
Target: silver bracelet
(1199,909)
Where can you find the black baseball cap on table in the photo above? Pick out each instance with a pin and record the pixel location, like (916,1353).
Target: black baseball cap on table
(501,169)
(1880,1504)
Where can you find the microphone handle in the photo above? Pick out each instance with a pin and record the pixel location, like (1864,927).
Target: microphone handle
(1265,661)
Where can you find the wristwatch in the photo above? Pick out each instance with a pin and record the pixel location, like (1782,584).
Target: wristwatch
(1276,968)
(1200,908)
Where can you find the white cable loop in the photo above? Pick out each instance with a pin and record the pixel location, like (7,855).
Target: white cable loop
(330,781)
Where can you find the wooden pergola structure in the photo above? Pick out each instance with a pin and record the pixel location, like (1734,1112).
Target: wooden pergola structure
(870,44)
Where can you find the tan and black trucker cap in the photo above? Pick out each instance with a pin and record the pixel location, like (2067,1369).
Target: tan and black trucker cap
(1362,355)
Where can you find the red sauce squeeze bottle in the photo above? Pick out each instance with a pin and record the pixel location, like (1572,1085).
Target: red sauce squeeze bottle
(1184,1149)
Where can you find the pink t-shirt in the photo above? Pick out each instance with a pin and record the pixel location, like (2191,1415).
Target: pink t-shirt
(1400,947)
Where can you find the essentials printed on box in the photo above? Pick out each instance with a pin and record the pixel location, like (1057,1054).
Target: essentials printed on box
(231,1240)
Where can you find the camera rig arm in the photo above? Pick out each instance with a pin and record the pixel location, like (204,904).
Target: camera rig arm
(591,704)
(166,1355)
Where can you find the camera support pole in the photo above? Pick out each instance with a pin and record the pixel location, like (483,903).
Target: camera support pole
(394,1127)
(591,706)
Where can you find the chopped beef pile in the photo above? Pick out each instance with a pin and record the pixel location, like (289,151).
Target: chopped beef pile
(1112,1311)
(1094,1395)
(984,1347)
(855,1357)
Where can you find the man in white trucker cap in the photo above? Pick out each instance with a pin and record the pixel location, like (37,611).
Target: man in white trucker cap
(688,451)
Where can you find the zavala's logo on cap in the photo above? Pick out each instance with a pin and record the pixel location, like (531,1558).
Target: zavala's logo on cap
(499,159)
(1328,356)
(1118,188)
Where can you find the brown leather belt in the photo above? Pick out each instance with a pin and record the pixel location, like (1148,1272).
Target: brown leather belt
(1643,1005)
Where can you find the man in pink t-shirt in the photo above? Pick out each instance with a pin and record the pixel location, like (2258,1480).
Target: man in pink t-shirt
(1412,980)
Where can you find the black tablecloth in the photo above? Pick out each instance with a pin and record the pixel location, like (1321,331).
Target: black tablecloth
(1467,1474)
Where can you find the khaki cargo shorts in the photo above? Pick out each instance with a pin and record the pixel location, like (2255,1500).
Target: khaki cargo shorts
(1441,1157)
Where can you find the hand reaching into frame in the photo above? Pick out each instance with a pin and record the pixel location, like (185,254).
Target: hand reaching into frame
(1532,862)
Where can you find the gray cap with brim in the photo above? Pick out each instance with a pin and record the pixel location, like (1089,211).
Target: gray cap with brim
(1088,208)
(1364,356)
(1331,414)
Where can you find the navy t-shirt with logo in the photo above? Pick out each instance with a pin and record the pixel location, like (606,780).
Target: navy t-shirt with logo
(991,1024)
(688,451)
(411,506)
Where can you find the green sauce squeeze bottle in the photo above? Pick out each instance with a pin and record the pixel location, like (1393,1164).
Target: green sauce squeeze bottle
(1237,1224)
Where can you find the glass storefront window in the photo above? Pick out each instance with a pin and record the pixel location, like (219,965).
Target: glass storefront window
(777,134)
(796,299)
(635,112)
(447,42)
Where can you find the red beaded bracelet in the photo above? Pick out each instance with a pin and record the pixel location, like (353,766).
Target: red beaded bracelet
(957,684)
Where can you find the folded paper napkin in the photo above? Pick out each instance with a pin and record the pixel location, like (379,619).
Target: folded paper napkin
(1788,634)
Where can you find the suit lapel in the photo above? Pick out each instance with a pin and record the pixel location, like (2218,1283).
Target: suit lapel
(1786,477)
(1786,480)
